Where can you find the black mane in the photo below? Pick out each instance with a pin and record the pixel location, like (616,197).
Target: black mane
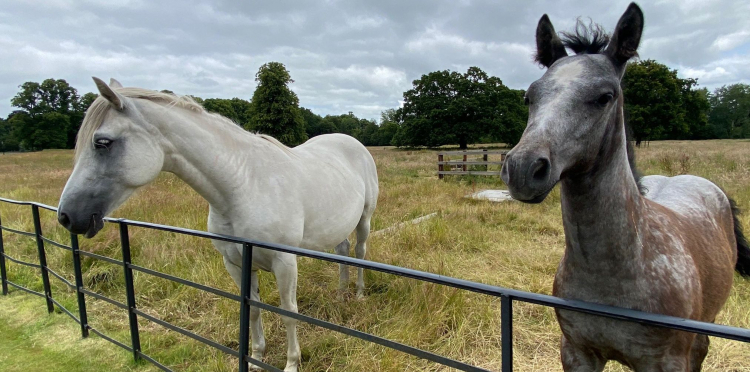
(591,39)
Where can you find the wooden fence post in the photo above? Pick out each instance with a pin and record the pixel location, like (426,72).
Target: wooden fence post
(464,167)
(440,166)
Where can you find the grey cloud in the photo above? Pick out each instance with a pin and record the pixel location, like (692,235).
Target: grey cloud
(344,56)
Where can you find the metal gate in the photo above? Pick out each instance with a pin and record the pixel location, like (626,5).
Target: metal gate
(507,296)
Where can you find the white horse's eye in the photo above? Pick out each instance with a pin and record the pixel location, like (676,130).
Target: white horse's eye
(102,143)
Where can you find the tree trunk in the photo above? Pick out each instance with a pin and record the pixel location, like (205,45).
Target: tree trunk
(463,145)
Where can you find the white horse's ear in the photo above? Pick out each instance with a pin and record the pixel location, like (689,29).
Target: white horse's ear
(110,95)
(114,83)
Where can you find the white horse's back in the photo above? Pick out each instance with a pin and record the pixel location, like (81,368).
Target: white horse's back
(686,194)
(342,152)
(339,188)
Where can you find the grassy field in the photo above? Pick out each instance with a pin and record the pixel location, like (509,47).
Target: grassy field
(508,244)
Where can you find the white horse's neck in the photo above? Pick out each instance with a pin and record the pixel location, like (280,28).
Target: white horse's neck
(602,211)
(215,157)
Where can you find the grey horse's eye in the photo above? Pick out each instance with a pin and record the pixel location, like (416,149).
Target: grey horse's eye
(526,100)
(102,143)
(604,99)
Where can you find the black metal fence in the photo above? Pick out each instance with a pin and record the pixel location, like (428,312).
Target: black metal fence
(507,296)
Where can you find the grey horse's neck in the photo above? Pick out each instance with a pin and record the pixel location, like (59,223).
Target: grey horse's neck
(601,209)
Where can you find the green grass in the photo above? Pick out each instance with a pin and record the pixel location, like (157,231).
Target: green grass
(34,341)
(507,244)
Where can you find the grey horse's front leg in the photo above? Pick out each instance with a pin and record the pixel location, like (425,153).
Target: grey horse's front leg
(575,359)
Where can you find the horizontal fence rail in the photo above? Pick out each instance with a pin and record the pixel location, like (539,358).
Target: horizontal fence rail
(507,296)
(459,167)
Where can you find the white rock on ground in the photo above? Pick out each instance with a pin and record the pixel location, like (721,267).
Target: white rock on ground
(491,195)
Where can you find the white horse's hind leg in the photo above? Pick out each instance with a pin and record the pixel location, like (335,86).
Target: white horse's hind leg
(363,231)
(343,250)
(285,269)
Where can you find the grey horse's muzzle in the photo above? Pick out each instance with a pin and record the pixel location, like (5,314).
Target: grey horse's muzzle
(528,175)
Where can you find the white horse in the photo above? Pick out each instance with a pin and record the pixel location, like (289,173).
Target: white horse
(311,196)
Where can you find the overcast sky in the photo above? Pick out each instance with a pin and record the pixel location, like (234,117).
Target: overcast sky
(344,56)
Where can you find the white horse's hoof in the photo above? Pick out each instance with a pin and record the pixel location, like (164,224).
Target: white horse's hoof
(291,368)
(360,296)
(256,356)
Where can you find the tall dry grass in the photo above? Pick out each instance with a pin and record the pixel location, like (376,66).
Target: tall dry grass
(508,244)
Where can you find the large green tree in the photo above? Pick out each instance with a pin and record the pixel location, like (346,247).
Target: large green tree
(697,108)
(275,107)
(730,111)
(8,141)
(653,106)
(447,107)
(316,125)
(49,114)
(390,120)
(236,109)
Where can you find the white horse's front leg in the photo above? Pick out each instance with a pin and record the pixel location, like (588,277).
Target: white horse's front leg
(285,269)
(256,323)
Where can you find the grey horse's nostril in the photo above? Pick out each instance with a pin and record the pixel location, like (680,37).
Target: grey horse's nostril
(64,220)
(541,169)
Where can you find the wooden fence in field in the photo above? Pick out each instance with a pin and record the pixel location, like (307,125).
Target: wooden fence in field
(459,167)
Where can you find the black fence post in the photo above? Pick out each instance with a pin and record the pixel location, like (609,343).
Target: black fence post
(247,262)
(3,273)
(42,258)
(130,289)
(506,330)
(79,286)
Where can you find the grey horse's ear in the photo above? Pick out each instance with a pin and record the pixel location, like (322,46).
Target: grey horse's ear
(624,43)
(114,83)
(117,101)
(549,47)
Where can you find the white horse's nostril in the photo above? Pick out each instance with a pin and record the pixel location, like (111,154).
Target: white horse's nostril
(64,220)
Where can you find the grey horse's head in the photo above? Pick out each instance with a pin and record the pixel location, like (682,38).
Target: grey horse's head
(117,151)
(573,106)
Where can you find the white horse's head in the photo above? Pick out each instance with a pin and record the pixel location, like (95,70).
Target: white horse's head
(117,151)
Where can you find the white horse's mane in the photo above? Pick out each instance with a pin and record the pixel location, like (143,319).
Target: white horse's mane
(100,107)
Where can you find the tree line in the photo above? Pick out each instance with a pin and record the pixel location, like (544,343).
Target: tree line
(659,105)
(442,108)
